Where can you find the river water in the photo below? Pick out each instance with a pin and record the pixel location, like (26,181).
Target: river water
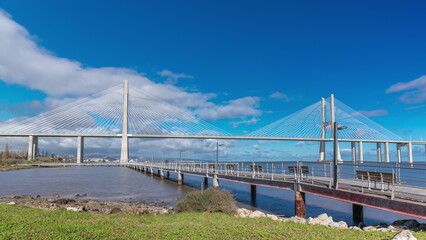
(123,184)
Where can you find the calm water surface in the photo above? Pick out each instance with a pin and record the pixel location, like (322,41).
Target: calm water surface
(123,184)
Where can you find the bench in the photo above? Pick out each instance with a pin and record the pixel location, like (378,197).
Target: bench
(302,169)
(382,177)
(257,168)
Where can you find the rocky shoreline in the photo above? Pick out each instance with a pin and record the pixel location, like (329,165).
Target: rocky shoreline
(402,226)
(140,208)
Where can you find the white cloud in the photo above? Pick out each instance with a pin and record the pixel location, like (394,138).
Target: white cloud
(416,90)
(279,95)
(24,62)
(251,121)
(238,108)
(372,113)
(171,77)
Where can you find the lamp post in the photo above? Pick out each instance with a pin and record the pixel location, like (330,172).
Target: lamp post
(217,156)
(336,128)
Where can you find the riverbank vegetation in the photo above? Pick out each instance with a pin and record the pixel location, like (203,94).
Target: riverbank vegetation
(19,222)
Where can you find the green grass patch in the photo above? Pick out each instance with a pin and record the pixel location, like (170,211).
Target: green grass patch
(18,222)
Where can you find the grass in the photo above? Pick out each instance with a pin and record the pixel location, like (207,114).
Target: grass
(19,222)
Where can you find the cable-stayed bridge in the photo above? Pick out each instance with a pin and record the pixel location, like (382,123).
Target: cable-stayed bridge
(123,112)
(136,113)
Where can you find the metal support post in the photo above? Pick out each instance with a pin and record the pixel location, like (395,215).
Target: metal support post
(300,204)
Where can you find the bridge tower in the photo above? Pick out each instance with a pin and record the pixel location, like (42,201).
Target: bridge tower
(124,158)
(324,128)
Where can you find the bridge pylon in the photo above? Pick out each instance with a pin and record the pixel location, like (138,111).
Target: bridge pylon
(124,156)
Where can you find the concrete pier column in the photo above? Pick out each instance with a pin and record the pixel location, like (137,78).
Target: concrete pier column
(300,204)
(206,182)
(215,182)
(357,214)
(410,152)
(360,153)
(253,189)
(32,147)
(353,151)
(151,171)
(124,158)
(180,178)
(80,149)
(379,152)
(162,174)
(386,152)
(321,156)
(398,152)
(144,170)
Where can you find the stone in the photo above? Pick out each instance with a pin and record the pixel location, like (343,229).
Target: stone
(283,219)
(326,221)
(410,224)
(393,229)
(334,225)
(64,201)
(242,212)
(313,221)
(55,196)
(342,224)
(75,209)
(355,228)
(272,216)
(257,214)
(115,210)
(369,228)
(404,235)
(322,217)
(297,220)
(11,203)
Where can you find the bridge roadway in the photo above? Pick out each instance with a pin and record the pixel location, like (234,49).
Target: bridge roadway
(403,199)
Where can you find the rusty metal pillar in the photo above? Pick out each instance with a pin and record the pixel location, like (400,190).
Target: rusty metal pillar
(300,204)
(215,182)
(357,214)
(253,191)
(180,178)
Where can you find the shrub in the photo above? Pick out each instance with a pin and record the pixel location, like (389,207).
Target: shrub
(209,200)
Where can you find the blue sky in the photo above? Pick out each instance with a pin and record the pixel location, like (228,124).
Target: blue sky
(371,55)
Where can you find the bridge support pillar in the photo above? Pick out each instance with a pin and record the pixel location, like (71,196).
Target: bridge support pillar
(353,151)
(151,171)
(162,174)
(300,204)
(168,175)
(32,147)
(215,182)
(180,178)
(253,189)
(360,153)
(357,214)
(410,152)
(379,152)
(144,170)
(80,149)
(206,182)
(386,152)
(124,157)
(398,152)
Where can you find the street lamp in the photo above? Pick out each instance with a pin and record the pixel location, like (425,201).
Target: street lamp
(217,155)
(336,128)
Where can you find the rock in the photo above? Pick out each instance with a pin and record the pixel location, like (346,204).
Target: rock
(16,197)
(257,214)
(369,228)
(75,209)
(322,217)
(313,221)
(80,195)
(55,196)
(11,203)
(326,221)
(333,225)
(115,210)
(297,220)
(342,224)
(355,228)
(404,235)
(410,224)
(283,219)
(163,212)
(271,216)
(393,229)
(242,212)
(64,201)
